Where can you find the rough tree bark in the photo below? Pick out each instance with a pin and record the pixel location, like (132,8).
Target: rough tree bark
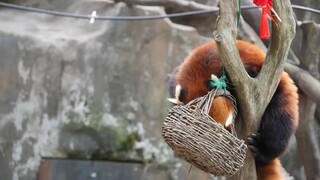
(317,114)
(306,139)
(308,145)
(307,83)
(263,86)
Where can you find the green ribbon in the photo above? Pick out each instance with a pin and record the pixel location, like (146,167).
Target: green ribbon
(221,83)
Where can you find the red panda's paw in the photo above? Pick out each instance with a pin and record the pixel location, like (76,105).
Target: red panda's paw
(252,143)
(260,152)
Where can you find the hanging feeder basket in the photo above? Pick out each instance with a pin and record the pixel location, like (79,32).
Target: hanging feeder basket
(197,138)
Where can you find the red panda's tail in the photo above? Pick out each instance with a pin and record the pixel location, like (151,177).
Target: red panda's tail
(222,110)
(270,171)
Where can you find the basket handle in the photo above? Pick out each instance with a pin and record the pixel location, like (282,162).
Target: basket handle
(204,103)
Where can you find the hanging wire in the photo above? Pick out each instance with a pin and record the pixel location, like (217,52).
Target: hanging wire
(112,18)
(134,18)
(316,11)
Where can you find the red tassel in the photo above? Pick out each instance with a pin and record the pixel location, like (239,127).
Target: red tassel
(264,27)
(262,2)
(266,13)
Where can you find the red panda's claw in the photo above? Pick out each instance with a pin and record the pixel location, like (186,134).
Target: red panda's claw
(253,138)
(255,135)
(252,142)
(253,149)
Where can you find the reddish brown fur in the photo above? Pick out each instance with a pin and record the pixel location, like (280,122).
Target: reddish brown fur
(197,68)
(221,108)
(190,76)
(271,171)
(286,83)
(194,72)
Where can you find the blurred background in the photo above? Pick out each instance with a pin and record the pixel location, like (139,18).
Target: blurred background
(81,100)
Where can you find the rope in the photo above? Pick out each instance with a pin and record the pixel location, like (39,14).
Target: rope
(220,83)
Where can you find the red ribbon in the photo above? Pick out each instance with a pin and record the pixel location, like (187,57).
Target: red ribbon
(262,2)
(266,13)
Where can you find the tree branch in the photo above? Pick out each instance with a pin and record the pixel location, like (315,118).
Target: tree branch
(225,35)
(309,152)
(282,35)
(308,84)
(264,85)
(310,53)
(307,144)
(271,71)
(317,114)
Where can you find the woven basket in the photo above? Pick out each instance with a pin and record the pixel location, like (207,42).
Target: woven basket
(196,137)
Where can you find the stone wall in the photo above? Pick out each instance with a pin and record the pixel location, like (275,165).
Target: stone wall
(75,90)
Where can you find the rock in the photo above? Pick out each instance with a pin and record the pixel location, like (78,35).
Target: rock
(71,89)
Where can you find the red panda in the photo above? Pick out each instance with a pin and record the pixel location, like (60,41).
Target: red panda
(280,120)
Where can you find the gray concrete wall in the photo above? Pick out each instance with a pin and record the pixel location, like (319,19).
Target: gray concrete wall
(71,89)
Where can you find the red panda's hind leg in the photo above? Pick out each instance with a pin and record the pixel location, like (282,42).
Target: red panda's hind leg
(278,123)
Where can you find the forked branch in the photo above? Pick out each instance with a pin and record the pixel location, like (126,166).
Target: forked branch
(257,92)
(262,87)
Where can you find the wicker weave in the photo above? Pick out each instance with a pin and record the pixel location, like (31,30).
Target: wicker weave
(200,140)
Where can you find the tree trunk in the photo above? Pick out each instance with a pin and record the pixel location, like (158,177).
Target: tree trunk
(306,139)
(252,109)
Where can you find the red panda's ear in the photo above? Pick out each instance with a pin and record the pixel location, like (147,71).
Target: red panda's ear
(180,95)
